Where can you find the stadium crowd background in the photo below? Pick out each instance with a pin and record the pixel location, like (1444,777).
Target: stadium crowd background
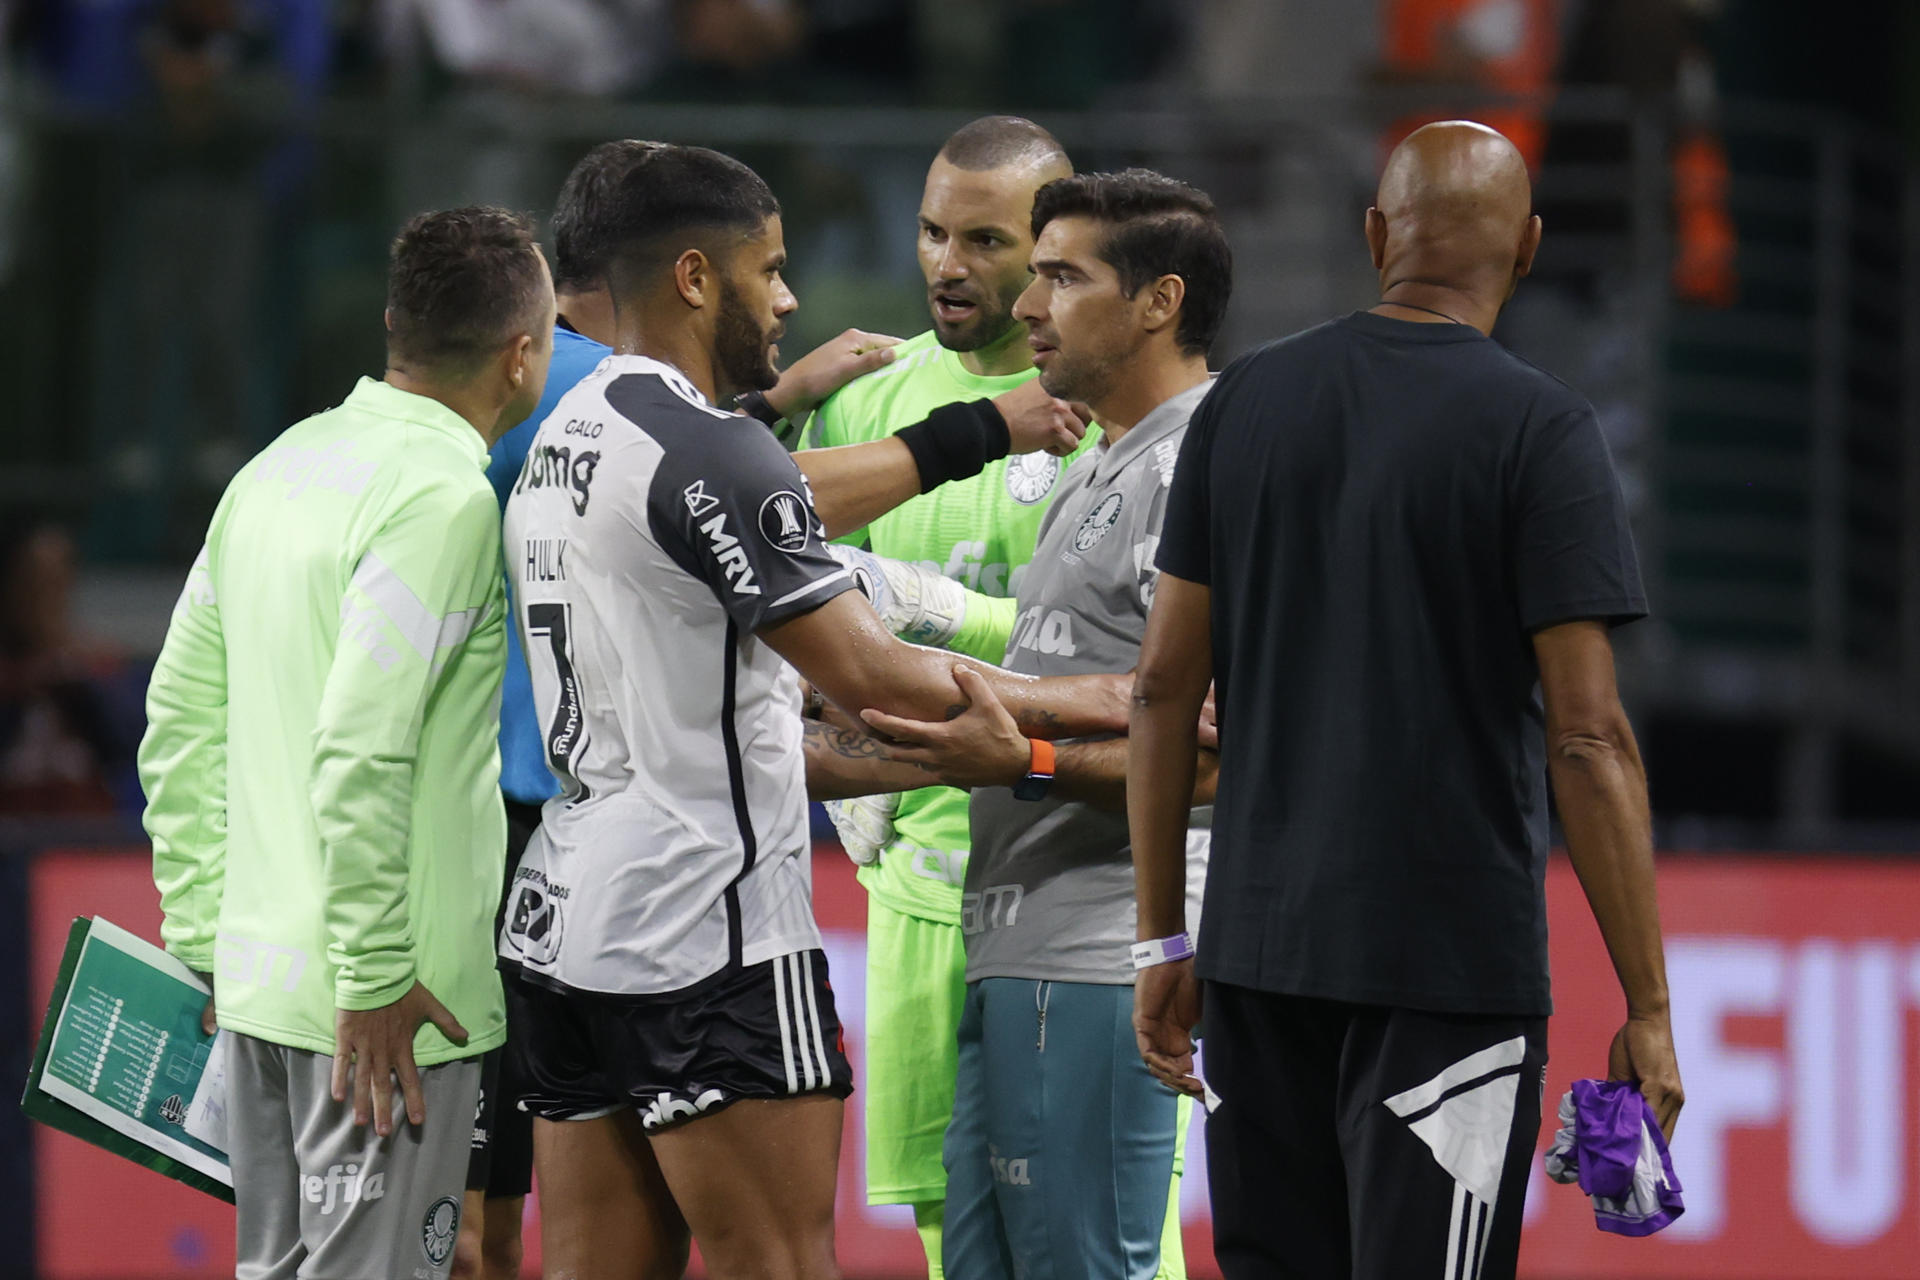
(195,196)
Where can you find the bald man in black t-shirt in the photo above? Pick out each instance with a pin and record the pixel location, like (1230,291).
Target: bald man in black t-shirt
(1398,550)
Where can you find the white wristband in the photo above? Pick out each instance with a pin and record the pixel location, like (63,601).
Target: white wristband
(1162,951)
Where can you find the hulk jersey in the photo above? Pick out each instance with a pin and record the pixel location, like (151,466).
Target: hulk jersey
(652,536)
(321,761)
(979,532)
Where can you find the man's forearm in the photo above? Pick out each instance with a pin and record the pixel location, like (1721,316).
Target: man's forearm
(844,763)
(1095,773)
(1600,787)
(855,484)
(1160,784)
(1055,706)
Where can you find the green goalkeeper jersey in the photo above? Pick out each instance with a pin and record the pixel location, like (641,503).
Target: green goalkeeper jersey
(321,760)
(979,532)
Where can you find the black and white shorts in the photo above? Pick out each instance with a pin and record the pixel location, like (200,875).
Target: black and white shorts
(764,1031)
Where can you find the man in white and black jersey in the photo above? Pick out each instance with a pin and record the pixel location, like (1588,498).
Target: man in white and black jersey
(684,1055)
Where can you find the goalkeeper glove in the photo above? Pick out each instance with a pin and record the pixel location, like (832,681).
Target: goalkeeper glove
(916,604)
(865,825)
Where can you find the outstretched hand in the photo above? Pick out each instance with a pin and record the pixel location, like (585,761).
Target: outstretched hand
(827,368)
(374,1046)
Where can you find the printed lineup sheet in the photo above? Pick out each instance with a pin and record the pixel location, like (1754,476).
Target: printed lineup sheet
(122,1062)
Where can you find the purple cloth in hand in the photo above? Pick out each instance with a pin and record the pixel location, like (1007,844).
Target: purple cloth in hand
(1610,1142)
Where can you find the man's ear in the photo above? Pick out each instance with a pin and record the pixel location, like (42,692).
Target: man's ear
(1529,245)
(1376,232)
(694,278)
(386,318)
(519,360)
(1164,297)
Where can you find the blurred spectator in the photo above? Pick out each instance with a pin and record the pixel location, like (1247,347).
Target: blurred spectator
(70,714)
(593,48)
(1653,53)
(196,179)
(1485,60)
(1583,314)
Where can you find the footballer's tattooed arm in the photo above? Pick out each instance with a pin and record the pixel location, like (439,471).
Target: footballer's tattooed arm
(843,763)
(844,651)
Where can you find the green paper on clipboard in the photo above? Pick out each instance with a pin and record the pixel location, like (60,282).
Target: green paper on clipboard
(123,1064)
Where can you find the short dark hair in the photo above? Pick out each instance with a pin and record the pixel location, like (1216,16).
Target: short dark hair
(580,248)
(461,284)
(672,197)
(1155,226)
(993,141)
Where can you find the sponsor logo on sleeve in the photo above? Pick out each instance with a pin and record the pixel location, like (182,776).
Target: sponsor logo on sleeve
(783,521)
(1031,476)
(1165,455)
(698,500)
(731,556)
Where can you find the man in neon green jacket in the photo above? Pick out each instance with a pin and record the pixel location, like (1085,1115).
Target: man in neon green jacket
(322,772)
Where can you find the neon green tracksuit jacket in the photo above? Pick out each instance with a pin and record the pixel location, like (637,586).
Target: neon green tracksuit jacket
(321,761)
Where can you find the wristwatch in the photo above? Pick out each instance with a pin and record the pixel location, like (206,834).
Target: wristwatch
(1039,771)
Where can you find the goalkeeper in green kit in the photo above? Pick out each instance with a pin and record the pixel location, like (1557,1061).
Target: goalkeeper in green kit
(974,242)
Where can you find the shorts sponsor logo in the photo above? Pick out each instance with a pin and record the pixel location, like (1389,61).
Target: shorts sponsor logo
(439,1229)
(783,521)
(342,1184)
(666,1109)
(1098,521)
(1031,476)
(535,921)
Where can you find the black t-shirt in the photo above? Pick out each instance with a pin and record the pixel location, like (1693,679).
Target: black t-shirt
(1385,512)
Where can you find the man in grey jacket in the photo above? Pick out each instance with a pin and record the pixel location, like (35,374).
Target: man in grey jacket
(1062,1145)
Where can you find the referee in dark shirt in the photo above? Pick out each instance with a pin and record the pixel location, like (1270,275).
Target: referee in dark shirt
(1398,551)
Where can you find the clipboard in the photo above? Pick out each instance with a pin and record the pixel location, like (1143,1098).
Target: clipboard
(122,1063)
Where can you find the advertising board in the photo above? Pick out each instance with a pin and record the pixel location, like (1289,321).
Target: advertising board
(1795,986)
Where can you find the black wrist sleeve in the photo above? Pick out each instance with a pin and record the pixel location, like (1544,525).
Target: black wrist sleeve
(956,441)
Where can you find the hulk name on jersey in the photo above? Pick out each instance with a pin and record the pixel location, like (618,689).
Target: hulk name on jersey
(979,532)
(651,536)
(1049,890)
